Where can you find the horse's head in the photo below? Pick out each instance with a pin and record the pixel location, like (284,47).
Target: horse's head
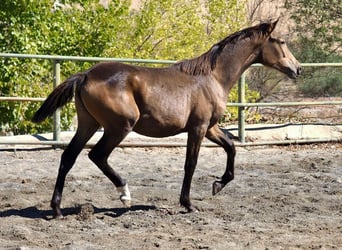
(274,53)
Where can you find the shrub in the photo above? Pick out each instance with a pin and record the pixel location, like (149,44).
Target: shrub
(231,113)
(169,29)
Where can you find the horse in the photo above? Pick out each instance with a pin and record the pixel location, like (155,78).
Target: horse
(188,96)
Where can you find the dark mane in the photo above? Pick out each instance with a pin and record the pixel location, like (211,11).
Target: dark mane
(206,62)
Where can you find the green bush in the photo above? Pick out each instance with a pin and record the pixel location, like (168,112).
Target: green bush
(318,81)
(231,113)
(318,41)
(169,29)
(322,82)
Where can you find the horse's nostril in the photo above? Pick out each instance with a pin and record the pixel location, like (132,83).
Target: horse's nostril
(299,70)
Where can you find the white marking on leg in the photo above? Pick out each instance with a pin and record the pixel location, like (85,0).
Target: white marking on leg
(125,196)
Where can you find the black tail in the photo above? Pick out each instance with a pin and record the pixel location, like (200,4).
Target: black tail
(59,97)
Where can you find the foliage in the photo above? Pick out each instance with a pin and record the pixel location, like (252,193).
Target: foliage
(320,27)
(319,40)
(168,29)
(323,82)
(231,113)
(173,29)
(39,27)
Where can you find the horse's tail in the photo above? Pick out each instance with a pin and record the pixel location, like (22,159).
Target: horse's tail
(60,96)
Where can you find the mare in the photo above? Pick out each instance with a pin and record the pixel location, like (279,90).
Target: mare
(189,96)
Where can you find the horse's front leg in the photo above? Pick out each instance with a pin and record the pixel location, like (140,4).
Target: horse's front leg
(216,135)
(193,147)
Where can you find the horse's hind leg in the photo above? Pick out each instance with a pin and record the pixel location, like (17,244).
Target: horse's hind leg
(83,134)
(100,153)
(216,135)
(87,126)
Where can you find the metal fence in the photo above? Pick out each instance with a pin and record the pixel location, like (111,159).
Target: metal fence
(242,104)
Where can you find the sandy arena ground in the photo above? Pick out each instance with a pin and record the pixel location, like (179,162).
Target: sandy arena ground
(282,198)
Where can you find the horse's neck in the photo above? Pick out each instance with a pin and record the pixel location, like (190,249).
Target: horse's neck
(232,62)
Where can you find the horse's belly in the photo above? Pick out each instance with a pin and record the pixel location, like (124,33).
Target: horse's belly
(153,127)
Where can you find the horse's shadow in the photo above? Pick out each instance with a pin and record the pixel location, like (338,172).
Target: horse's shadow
(35,213)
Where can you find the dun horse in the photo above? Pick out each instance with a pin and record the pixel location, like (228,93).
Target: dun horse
(188,96)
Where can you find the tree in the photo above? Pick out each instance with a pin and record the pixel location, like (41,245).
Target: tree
(173,29)
(39,27)
(318,30)
(168,29)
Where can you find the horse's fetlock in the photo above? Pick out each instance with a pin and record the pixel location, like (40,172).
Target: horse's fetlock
(227,178)
(125,195)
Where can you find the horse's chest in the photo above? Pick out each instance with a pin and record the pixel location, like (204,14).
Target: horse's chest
(220,108)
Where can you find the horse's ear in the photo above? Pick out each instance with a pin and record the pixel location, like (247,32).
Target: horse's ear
(273,25)
(267,28)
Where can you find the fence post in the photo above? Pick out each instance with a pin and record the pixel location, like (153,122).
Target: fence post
(57,114)
(241,109)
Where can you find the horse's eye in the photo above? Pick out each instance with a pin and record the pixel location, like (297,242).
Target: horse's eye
(282,42)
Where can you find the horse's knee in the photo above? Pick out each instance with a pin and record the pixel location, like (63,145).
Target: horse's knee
(230,149)
(233,150)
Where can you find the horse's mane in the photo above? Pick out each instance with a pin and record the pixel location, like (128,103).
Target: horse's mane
(206,62)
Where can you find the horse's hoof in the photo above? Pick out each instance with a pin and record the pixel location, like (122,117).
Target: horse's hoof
(58,217)
(125,201)
(192,209)
(57,214)
(125,196)
(217,187)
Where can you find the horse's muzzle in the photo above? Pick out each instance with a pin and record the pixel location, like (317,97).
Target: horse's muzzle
(299,70)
